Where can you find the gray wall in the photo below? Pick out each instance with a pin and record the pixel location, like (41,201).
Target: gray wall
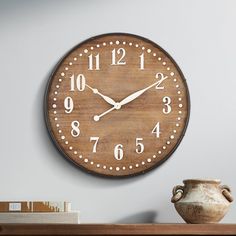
(34,35)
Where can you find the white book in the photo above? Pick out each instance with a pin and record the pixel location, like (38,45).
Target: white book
(41,218)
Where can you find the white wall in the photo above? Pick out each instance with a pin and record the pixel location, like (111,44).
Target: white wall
(34,35)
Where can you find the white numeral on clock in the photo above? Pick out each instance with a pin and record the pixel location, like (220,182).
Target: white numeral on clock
(79,81)
(142,61)
(90,62)
(139,145)
(95,143)
(167,102)
(75,128)
(156,130)
(68,104)
(118,152)
(121,52)
(160,77)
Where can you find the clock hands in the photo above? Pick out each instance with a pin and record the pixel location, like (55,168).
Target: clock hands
(106,98)
(140,92)
(131,97)
(97,117)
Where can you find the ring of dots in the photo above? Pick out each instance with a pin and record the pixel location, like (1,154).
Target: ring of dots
(171,73)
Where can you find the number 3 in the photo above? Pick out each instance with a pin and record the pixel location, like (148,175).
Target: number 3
(167,102)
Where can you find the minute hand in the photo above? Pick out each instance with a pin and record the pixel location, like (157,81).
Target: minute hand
(140,92)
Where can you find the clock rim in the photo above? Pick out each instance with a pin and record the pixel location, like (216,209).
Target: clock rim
(49,127)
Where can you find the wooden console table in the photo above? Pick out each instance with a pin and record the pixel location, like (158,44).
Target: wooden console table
(118,229)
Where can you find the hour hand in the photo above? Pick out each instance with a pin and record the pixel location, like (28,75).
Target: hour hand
(106,98)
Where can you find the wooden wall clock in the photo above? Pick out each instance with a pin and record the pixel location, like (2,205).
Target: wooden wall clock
(117,105)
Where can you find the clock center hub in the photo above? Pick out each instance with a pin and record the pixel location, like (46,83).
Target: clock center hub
(117,106)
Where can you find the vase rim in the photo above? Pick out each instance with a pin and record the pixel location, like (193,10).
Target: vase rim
(210,181)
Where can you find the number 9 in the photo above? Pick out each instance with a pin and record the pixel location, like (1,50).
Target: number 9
(68,104)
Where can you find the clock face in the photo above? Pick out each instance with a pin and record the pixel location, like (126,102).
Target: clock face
(117,105)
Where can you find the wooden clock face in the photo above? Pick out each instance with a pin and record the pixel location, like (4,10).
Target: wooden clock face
(117,105)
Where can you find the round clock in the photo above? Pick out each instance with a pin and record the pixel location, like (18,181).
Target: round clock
(117,105)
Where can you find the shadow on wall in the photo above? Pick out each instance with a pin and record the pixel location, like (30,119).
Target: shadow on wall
(139,218)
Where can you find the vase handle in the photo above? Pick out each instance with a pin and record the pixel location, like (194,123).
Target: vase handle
(227,192)
(177,193)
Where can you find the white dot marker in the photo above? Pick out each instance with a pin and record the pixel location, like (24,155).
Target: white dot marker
(91,48)
(172,137)
(149,160)
(154,54)
(66,142)
(179,92)
(111,168)
(164,147)
(168,142)
(168,68)
(62,137)
(54,105)
(174,131)
(59,131)
(55,118)
(137,165)
(91,162)
(130,167)
(172,73)
(154,156)
(111,43)
(123,167)
(159,58)
(62,74)
(80,156)
(143,163)
(55,112)
(104,167)
(98,165)
(98,45)
(180,105)
(70,148)
(130,44)
(85,50)
(159,152)
(117,168)
(66,68)
(80,54)
(136,45)
(70,63)
(57,125)
(164,63)
(117,42)
(86,160)
(75,58)
(104,44)
(124,43)
(57,86)
(149,50)
(75,152)
(54,99)
(60,80)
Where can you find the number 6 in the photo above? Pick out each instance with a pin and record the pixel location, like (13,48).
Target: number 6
(118,152)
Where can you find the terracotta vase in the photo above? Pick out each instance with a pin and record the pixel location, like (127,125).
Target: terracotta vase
(202,201)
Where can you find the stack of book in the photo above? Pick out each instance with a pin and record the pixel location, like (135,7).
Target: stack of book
(37,212)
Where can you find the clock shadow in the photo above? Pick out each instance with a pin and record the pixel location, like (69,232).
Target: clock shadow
(55,160)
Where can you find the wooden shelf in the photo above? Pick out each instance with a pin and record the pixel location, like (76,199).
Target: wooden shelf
(118,229)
